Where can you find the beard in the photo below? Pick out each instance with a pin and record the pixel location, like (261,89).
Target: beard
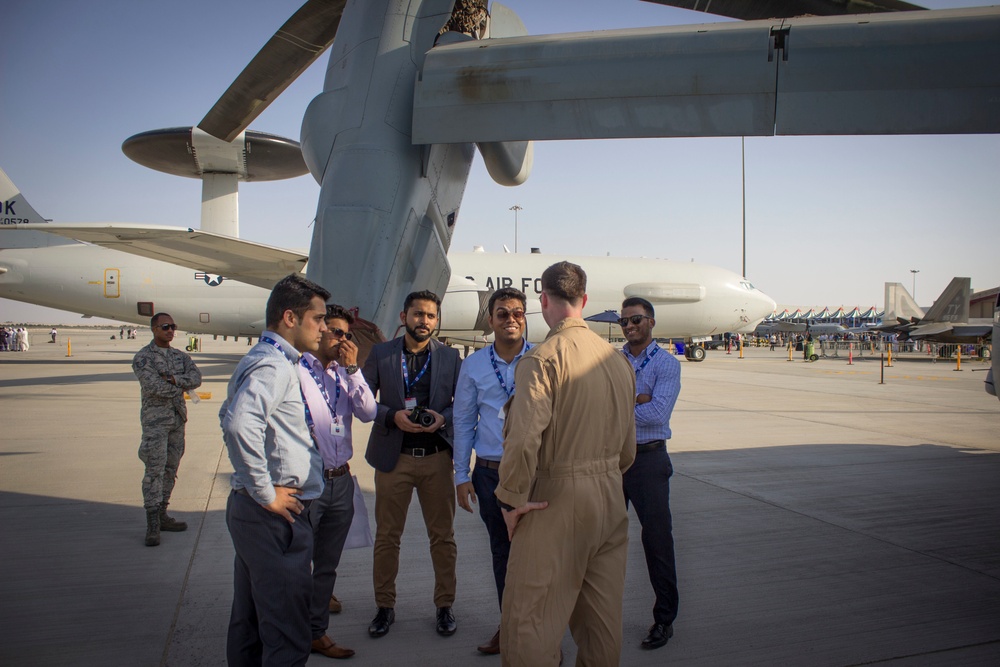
(418,336)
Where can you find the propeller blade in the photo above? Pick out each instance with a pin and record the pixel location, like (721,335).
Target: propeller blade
(303,38)
(751,10)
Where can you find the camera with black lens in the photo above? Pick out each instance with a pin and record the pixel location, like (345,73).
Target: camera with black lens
(421,416)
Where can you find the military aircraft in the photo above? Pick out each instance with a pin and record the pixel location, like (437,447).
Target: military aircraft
(947,321)
(412,88)
(218,284)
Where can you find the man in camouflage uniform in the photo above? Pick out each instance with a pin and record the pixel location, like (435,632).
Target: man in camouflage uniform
(164,373)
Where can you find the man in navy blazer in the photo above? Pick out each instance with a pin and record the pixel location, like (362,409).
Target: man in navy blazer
(410,448)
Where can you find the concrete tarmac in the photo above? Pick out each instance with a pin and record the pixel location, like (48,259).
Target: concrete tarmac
(821,518)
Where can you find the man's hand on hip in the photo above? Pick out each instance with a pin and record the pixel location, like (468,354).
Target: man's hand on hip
(286,502)
(511,517)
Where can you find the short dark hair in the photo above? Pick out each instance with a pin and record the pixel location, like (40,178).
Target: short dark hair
(335,312)
(422,295)
(154,318)
(566,281)
(294,293)
(504,294)
(639,301)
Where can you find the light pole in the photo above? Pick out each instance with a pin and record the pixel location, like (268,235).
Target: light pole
(515,208)
(914,293)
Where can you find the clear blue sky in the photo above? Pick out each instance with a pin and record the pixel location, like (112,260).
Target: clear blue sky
(829,219)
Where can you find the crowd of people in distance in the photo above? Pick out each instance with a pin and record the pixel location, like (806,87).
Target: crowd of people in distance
(14,339)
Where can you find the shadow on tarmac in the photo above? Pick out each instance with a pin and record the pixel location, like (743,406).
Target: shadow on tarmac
(833,554)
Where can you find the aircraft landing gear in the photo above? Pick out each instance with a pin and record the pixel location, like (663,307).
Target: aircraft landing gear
(694,353)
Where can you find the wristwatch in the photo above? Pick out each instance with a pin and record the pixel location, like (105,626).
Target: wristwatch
(352,369)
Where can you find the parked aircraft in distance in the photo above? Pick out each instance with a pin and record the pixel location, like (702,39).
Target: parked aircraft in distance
(217,284)
(947,321)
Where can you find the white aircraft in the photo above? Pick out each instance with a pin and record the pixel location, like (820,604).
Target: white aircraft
(217,284)
(413,88)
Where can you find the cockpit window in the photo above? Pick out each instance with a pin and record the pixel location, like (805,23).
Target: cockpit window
(747,285)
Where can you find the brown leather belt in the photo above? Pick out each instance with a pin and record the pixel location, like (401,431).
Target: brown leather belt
(330,473)
(650,446)
(484,463)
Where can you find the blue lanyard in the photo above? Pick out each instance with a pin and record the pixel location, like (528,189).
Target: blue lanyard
(278,347)
(646,361)
(322,387)
(309,419)
(503,385)
(406,373)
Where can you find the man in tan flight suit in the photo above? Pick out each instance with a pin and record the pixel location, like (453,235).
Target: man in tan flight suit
(569,434)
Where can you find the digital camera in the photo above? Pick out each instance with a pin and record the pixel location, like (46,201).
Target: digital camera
(421,417)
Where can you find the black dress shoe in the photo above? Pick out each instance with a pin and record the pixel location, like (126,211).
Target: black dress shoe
(446,625)
(659,635)
(385,617)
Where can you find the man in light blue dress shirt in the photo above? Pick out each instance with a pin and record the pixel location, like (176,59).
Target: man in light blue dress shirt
(335,392)
(647,482)
(278,473)
(485,383)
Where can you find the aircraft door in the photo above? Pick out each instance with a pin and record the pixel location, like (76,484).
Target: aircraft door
(112,283)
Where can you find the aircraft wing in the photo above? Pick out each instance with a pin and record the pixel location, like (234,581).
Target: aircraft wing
(920,72)
(748,10)
(237,259)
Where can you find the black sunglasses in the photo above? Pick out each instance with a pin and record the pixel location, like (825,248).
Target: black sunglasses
(340,333)
(634,319)
(168,327)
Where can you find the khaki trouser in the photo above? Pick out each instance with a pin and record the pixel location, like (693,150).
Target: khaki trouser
(433,478)
(567,566)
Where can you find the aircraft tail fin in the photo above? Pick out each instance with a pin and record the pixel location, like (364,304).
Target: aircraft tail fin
(16,209)
(899,305)
(953,304)
(17,215)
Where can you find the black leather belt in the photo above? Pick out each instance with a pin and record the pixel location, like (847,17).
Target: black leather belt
(330,473)
(650,446)
(421,452)
(484,463)
(244,492)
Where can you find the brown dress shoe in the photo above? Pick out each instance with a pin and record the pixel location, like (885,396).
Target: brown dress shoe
(326,646)
(492,647)
(335,606)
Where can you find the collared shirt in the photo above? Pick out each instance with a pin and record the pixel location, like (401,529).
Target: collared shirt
(476,414)
(264,424)
(355,400)
(661,379)
(573,407)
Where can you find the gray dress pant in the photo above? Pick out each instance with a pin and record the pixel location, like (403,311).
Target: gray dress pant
(269,624)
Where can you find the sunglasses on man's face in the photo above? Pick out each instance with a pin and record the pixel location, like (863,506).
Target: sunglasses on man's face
(340,333)
(168,327)
(634,319)
(503,314)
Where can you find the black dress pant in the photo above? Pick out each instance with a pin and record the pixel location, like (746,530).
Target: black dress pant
(647,487)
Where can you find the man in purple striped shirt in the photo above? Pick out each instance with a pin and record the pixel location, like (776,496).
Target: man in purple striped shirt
(647,482)
(334,391)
